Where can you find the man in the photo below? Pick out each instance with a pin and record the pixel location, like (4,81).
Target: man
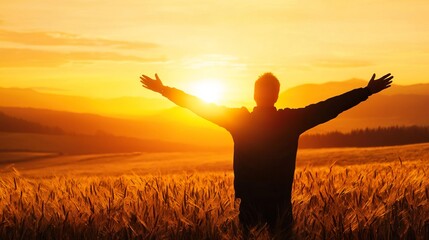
(266,141)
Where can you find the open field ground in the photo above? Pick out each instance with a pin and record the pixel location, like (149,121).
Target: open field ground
(379,193)
(42,164)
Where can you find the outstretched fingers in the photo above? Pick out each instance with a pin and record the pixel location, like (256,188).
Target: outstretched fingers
(145,81)
(385,76)
(142,80)
(145,78)
(386,80)
(150,83)
(377,85)
(389,83)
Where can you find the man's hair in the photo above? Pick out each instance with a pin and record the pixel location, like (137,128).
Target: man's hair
(267,88)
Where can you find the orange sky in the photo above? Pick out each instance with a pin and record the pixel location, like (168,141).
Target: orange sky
(99,48)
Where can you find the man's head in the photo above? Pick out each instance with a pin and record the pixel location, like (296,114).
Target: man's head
(266,90)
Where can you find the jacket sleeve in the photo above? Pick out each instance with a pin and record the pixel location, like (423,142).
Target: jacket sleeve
(321,112)
(220,115)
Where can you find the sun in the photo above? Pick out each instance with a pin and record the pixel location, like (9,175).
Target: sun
(209,90)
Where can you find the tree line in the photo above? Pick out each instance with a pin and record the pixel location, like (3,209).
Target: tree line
(368,137)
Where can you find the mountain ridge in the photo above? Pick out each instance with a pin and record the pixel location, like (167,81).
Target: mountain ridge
(120,107)
(135,107)
(17,134)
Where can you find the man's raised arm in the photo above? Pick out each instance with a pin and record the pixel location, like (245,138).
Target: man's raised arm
(324,111)
(219,115)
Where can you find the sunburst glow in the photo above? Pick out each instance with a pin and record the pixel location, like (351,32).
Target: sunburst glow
(209,90)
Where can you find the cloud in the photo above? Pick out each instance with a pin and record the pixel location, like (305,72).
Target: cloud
(66,39)
(341,63)
(22,57)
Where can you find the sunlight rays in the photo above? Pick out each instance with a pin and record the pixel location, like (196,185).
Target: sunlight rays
(209,90)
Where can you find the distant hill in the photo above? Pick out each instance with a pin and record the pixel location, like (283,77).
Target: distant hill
(12,124)
(17,134)
(184,127)
(303,95)
(124,106)
(306,94)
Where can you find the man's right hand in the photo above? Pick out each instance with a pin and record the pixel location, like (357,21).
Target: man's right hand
(376,85)
(152,84)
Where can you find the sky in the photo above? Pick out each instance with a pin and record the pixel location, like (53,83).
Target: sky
(99,48)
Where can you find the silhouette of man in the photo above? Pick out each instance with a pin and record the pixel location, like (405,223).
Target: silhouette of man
(266,141)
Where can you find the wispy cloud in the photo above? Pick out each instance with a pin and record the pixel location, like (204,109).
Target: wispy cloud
(341,63)
(67,39)
(22,57)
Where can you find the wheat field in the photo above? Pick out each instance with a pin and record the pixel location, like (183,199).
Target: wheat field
(370,201)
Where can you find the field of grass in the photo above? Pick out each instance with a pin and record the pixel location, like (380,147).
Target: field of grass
(334,196)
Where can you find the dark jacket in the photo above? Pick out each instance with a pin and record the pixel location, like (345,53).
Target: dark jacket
(266,139)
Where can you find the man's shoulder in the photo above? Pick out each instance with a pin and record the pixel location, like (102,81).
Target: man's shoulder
(287,110)
(290,112)
(243,111)
(237,111)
